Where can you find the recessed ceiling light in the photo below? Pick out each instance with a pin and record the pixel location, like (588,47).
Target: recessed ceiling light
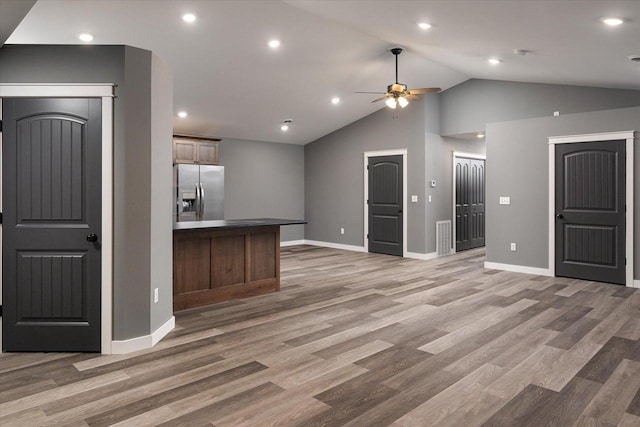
(494,61)
(182,114)
(335,100)
(274,44)
(189,17)
(612,22)
(424,26)
(480,135)
(85,37)
(285,125)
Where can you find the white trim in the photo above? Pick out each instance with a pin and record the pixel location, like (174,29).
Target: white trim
(163,330)
(335,245)
(518,268)
(453,190)
(636,284)
(395,152)
(605,136)
(412,255)
(423,257)
(291,243)
(104,91)
(591,137)
(106,239)
(56,90)
(144,342)
(469,155)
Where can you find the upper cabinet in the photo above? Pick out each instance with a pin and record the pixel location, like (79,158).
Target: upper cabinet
(194,150)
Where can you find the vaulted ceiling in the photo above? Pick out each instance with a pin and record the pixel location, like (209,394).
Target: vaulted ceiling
(233,85)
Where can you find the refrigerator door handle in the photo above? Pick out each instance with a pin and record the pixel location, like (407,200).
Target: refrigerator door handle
(198,202)
(202,203)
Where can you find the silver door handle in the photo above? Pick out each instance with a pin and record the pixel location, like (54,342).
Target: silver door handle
(197,202)
(201,201)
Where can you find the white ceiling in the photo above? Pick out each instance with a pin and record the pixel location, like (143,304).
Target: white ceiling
(234,86)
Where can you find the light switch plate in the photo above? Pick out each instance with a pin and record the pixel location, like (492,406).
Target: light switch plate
(505,200)
(414,199)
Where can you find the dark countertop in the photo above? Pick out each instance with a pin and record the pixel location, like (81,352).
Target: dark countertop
(234,223)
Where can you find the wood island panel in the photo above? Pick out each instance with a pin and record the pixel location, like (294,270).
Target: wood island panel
(215,265)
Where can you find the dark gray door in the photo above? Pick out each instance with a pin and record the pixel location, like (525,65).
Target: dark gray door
(590,211)
(385,205)
(469,176)
(51,162)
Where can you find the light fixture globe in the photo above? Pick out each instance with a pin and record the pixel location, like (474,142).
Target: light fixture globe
(403,102)
(391,103)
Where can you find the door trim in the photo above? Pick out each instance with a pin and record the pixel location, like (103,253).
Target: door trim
(576,139)
(456,154)
(105,92)
(397,152)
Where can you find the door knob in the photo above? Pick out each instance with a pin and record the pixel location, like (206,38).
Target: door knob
(559,216)
(92,237)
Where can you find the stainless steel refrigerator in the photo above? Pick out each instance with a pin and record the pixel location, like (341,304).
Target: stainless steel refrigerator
(199,192)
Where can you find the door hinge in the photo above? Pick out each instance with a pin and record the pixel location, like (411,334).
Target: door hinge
(0,217)
(367,167)
(367,235)
(367,201)
(0,125)
(0,310)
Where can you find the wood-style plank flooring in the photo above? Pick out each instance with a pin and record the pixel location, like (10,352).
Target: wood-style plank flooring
(360,339)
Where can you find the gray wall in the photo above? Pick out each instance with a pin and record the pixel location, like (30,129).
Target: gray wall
(468,106)
(161,203)
(517,153)
(264,180)
(130,70)
(334,177)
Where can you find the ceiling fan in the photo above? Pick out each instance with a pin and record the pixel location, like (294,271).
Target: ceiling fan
(397,93)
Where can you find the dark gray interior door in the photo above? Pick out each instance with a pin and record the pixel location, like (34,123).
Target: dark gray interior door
(385,205)
(590,211)
(470,205)
(51,162)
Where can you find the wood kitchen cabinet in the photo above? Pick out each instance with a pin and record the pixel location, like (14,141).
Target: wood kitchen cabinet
(194,150)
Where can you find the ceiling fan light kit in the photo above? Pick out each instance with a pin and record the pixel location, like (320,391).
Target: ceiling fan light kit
(397,93)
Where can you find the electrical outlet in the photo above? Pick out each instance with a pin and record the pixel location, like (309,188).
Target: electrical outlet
(556,113)
(155,295)
(414,199)
(341,230)
(513,246)
(505,200)
(429,198)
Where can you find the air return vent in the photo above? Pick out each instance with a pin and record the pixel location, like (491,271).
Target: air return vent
(443,237)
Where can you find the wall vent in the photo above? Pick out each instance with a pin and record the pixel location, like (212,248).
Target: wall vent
(443,237)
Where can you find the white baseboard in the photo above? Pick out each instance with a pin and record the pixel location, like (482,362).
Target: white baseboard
(636,284)
(144,342)
(424,257)
(518,268)
(335,245)
(292,243)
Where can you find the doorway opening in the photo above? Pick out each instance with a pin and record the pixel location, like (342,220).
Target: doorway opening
(591,207)
(385,202)
(104,94)
(469,171)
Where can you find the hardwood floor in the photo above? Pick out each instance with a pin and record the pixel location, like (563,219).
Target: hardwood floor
(361,339)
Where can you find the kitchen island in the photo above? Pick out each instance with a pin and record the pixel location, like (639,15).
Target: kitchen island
(216,261)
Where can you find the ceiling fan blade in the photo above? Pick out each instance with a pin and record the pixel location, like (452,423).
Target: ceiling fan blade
(423,90)
(412,97)
(377,93)
(380,99)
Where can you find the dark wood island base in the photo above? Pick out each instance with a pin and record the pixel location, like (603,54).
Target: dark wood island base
(215,261)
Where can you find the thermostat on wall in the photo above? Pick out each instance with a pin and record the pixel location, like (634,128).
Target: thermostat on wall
(433,183)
